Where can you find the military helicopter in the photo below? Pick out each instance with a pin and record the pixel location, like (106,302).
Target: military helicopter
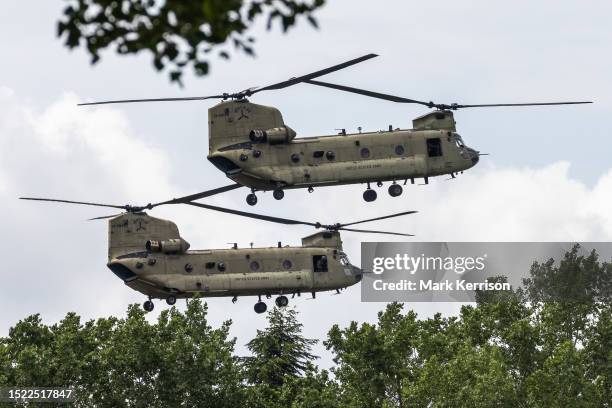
(254,147)
(150,256)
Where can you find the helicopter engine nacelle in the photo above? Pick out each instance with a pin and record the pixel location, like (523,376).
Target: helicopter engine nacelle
(170,246)
(277,135)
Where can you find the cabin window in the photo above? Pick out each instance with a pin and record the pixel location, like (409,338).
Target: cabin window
(221,266)
(399,150)
(330,155)
(210,265)
(287,264)
(256,153)
(318,154)
(365,153)
(319,263)
(254,266)
(434,147)
(295,157)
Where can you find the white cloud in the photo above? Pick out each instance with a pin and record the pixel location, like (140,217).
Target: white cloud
(54,261)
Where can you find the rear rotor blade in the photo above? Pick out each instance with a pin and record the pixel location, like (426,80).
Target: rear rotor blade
(376,232)
(188,98)
(197,196)
(304,78)
(121,207)
(262,217)
(104,217)
(380,218)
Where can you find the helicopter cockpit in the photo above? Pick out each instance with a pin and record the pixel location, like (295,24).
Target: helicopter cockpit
(343,258)
(465,152)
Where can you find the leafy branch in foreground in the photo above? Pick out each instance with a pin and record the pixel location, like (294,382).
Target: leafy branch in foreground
(177,33)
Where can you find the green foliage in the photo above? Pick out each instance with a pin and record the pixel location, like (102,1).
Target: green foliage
(177,33)
(509,349)
(179,360)
(280,351)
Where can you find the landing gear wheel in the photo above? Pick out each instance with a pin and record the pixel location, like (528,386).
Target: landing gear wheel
(369,195)
(260,307)
(148,306)
(251,199)
(281,301)
(278,194)
(395,190)
(171,300)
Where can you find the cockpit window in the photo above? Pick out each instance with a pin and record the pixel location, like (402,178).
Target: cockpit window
(344,259)
(458,140)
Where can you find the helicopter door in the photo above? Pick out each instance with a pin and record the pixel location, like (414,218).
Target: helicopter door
(434,147)
(320,267)
(435,159)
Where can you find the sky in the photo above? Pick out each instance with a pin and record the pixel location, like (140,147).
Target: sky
(548,176)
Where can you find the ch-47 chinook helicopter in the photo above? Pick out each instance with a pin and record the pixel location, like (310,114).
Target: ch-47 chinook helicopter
(150,256)
(254,147)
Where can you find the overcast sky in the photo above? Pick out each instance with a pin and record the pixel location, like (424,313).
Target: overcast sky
(548,176)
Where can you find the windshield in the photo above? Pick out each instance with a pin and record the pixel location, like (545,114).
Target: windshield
(344,259)
(458,140)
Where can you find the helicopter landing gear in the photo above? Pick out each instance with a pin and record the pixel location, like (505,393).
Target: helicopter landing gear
(251,199)
(148,306)
(234,299)
(260,307)
(395,190)
(281,301)
(369,195)
(171,300)
(278,194)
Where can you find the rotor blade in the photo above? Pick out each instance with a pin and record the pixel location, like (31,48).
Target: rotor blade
(378,95)
(380,218)
(188,98)
(453,106)
(103,217)
(489,105)
(121,207)
(303,78)
(198,196)
(262,217)
(376,232)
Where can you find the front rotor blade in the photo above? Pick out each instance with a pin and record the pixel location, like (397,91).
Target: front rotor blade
(121,207)
(193,197)
(490,105)
(376,232)
(188,98)
(316,74)
(378,95)
(262,217)
(380,218)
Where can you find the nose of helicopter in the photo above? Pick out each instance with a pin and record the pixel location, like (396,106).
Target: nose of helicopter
(357,273)
(474,155)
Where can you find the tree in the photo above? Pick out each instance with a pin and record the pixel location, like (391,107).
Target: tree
(178,361)
(374,362)
(531,348)
(280,372)
(280,351)
(176,33)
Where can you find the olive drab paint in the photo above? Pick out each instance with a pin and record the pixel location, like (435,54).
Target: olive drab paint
(137,256)
(239,146)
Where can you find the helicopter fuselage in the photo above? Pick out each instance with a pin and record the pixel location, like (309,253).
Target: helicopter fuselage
(345,159)
(149,255)
(252,145)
